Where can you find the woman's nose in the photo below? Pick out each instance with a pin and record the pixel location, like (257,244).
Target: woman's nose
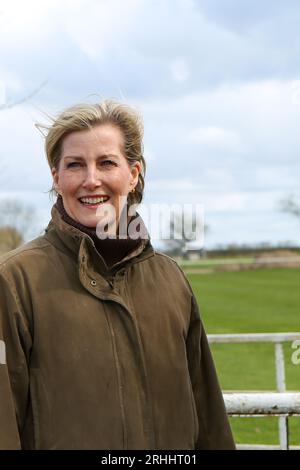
(92,178)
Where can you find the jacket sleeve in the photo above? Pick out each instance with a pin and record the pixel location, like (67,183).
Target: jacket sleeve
(214,428)
(15,344)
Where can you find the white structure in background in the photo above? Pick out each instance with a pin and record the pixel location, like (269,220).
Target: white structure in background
(282,404)
(194,250)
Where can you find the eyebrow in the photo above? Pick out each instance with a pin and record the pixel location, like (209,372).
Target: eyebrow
(78,157)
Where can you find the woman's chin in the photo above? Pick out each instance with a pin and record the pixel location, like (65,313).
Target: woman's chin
(90,222)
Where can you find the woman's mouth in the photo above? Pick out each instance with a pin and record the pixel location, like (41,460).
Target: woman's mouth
(93,202)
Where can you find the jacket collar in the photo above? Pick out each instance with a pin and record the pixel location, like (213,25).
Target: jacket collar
(68,238)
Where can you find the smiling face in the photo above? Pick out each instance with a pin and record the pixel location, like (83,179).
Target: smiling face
(93,170)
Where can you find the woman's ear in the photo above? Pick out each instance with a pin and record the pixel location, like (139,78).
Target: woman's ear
(55,177)
(135,171)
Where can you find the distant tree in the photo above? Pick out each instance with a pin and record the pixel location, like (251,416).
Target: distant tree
(182,232)
(16,222)
(290,205)
(10,238)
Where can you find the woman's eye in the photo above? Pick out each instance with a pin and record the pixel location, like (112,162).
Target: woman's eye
(108,163)
(73,164)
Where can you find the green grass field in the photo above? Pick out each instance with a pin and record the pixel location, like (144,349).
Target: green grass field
(252,302)
(209,263)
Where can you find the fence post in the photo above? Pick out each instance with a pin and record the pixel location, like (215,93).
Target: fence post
(293,407)
(280,382)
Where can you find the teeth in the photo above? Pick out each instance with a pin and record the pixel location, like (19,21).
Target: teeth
(94,200)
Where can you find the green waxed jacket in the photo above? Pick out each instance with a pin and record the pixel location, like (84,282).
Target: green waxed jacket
(103,359)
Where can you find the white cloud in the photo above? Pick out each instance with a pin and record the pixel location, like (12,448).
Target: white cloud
(149,155)
(221,178)
(179,70)
(167,185)
(215,198)
(215,137)
(229,138)
(2,92)
(278,177)
(22,152)
(219,90)
(25,21)
(98,28)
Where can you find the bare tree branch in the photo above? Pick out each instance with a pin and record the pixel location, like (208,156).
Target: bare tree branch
(182,232)
(290,205)
(24,99)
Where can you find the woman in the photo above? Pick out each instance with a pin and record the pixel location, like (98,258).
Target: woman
(105,348)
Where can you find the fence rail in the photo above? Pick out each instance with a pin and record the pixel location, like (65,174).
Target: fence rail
(281,403)
(262,403)
(254,338)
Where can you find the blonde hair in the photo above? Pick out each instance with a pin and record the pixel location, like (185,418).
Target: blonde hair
(86,116)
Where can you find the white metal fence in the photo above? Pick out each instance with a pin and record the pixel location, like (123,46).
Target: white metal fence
(281,403)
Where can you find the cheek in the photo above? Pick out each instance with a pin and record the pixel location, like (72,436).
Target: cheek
(120,184)
(68,183)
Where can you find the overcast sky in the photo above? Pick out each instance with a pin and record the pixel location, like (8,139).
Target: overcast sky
(217,81)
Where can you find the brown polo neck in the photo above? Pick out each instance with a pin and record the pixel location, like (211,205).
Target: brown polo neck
(112,250)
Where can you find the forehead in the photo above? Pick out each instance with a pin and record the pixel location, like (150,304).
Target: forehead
(105,136)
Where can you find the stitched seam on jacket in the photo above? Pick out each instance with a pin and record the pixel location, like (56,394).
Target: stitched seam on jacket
(150,421)
(118,371)
(19,252)
(149,418)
